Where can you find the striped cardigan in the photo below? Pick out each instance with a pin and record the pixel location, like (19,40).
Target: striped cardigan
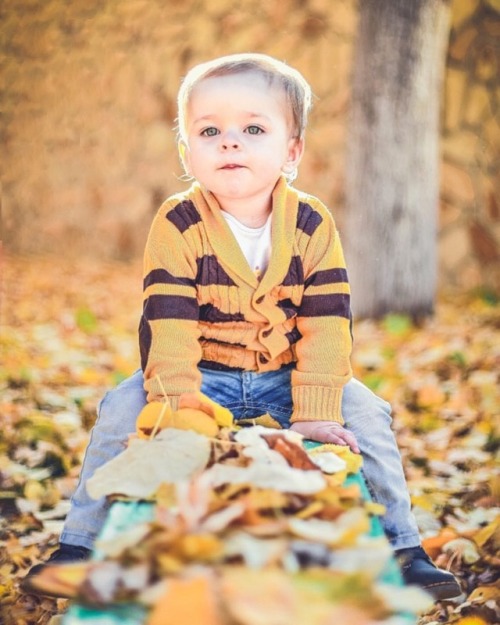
(203,305)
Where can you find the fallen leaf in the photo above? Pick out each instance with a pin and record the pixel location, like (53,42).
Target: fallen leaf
(463,549)
(199,401)
(58,580)
(260,475)
(172,456)
(186,602)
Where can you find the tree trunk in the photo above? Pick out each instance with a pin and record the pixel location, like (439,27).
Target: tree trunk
(392,182)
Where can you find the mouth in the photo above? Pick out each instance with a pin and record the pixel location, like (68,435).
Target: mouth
(232,166)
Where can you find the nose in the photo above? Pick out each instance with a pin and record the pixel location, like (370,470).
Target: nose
(230,141)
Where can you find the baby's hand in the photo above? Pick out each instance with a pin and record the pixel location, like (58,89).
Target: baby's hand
(326,432)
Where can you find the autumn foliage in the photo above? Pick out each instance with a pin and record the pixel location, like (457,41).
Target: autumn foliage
(69,333)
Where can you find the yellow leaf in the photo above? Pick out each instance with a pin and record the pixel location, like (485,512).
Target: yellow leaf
(199,401)
(33,490)
(490,532)
(153,417)
(375,508)
(264,420)
(199,547)
(353,461)
(471,620)
(482,594)
(169,564)
(194,419)
(423,501)
(311,510)
(61,580)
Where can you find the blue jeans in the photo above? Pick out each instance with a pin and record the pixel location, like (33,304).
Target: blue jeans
(248,394)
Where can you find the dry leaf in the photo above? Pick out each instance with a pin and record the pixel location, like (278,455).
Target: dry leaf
(264,597)
(344,532)
(195,420)
(62,580)
(295,455)
(153,417)
(199,401)
(434,544)
(463,549)
(186,602)
(283,479)
(353,461)
(255,553)
(172,456)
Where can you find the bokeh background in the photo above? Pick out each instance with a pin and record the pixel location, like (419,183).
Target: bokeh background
(89,114)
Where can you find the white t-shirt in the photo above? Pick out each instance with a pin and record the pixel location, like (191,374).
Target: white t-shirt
(255,243)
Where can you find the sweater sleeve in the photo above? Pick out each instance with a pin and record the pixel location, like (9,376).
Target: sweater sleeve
(168,331)
(323,320)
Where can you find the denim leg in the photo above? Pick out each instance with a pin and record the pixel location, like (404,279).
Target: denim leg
(249,395)
(369,419)
(116,419)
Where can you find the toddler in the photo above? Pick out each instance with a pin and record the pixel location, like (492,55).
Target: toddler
(246,298)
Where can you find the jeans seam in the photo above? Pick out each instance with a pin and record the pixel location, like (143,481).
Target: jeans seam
(258,405)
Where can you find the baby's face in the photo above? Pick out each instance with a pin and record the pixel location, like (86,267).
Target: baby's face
(239,136)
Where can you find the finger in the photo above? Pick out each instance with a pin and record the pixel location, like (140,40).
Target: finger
(351,441)
(345,438)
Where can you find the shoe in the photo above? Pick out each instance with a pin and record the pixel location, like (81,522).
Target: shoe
(64,555)
(418,569)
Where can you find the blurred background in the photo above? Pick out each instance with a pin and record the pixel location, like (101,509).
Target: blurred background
(405,129)
(89,113)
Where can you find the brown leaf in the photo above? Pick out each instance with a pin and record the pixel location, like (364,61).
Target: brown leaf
(296,456)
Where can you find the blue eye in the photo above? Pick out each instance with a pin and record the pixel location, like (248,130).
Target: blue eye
(254,130)
(210,132)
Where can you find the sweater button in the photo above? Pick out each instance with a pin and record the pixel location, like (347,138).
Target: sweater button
(259,300)
(262,359)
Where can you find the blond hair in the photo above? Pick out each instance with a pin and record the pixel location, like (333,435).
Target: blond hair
(296,89)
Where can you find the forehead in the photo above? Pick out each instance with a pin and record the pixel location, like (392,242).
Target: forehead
(233,90)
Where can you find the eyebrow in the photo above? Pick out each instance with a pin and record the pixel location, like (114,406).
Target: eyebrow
(247,114)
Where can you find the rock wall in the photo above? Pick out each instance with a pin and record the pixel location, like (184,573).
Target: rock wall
(89,116)
(470,177)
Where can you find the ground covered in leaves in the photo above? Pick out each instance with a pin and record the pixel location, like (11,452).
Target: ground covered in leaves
(69,333)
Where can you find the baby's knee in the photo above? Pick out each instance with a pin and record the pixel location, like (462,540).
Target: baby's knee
(359,403)
(123,403)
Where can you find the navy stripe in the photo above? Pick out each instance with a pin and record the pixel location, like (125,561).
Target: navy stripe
(145,338)
(204,340)
(288,307)
(170,307)
(184,215)
(211,272)
(308,219)
(295,274)
(217,366)
(209,312)
(333,305)
(327,276)
(293,336)
(162,276)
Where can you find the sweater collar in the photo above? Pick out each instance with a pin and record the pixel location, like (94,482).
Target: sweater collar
(283,222)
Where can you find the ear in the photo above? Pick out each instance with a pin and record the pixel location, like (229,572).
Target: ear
(294,155)
(184,156)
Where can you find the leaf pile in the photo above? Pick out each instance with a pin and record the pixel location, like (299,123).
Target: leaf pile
(263,505)
(69,333)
